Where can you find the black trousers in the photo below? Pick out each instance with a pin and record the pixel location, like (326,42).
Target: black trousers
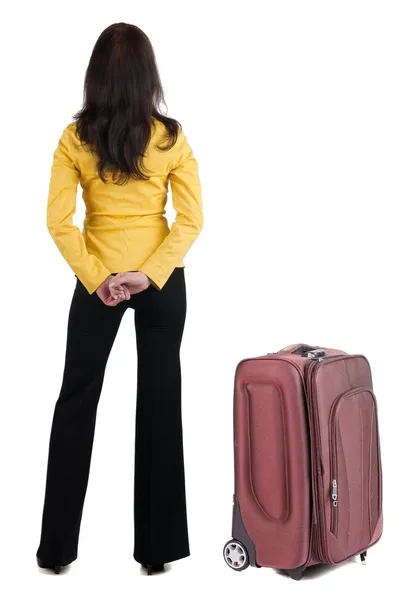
(160,520)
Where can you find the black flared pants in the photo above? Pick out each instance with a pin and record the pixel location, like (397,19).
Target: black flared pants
(160,520)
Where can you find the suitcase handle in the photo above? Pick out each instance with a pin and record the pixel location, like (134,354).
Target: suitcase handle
(318,353)
(304,350)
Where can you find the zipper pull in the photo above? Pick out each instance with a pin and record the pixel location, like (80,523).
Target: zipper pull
(334,493)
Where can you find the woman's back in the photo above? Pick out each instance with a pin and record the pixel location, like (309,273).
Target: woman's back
(125,227)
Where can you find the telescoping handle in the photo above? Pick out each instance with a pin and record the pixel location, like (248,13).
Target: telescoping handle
(314,354)
(305,350)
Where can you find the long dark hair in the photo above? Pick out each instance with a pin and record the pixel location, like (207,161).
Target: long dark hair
(122,95)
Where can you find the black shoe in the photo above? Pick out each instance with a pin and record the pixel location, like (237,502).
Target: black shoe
(44,565)
(150,569)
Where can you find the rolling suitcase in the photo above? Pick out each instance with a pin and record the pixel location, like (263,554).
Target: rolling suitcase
(307,461)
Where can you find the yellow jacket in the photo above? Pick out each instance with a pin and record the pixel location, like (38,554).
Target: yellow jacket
(124,228)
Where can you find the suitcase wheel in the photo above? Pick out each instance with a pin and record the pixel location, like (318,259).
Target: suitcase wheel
(235,555)
(296,574)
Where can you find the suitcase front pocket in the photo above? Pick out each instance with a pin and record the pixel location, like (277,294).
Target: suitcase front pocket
(355,476)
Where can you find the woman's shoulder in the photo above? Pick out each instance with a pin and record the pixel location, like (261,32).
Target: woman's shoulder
(160,139)
(69,135)
(70,129)
(160,128)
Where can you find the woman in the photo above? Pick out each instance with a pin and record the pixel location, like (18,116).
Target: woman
(123,152)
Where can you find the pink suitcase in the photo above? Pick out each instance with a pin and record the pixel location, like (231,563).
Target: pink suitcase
(308,476)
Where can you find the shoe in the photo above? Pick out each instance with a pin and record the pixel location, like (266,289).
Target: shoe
(150,569)
(53,567)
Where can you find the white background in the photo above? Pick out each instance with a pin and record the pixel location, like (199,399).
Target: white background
(298,116)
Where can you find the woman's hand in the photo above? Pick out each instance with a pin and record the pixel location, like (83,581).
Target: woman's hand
(112,297)
(133,281)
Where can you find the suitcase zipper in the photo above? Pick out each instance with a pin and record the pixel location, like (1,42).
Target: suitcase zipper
(334,467)
(316,468)
(318,500)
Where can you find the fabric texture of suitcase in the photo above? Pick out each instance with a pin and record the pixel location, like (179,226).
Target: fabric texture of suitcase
(308,475)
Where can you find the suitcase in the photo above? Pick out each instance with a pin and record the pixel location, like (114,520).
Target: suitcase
(307,460)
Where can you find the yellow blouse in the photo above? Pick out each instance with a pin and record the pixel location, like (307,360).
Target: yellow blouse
(124,227)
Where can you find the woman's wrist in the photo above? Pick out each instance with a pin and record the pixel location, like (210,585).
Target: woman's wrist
(151,282)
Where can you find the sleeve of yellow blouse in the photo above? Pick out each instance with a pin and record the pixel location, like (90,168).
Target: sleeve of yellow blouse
(61,206)
(187,201)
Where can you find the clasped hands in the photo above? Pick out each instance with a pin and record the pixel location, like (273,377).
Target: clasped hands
(121,286)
